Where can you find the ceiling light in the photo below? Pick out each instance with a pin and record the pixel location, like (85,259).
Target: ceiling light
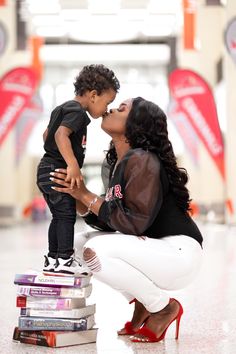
(166,6)
(122,53)
(158,25)
(103,6)
(47,20)
(54,31)
(100,29)
(43,6)
(74,14)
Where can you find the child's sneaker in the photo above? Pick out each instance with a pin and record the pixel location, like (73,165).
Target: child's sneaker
(49,264)
(71,266)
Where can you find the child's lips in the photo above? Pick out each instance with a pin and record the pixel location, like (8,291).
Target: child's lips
(105,114)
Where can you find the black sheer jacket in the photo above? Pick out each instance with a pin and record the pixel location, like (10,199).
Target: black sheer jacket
(139,201)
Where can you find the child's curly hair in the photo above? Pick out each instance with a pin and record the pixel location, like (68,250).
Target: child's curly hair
(95,77)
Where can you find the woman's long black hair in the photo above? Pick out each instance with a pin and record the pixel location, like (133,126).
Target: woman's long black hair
(146,128)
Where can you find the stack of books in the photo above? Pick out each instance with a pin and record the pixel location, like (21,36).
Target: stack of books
(53,310)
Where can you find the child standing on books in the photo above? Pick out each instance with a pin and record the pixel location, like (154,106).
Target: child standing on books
(64,143)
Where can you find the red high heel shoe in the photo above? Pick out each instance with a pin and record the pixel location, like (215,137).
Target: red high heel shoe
(151,336)
(128,327)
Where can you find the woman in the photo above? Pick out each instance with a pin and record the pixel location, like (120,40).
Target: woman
(158,247)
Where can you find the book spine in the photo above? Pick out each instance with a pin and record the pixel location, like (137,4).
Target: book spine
(42,338)
(34,291)
(78,282)
(72,314)
(51,324)
(49,303)
(55,338)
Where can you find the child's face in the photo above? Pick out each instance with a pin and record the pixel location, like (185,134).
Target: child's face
(98,105)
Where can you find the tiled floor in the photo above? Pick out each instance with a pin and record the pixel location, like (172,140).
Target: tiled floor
(208,324)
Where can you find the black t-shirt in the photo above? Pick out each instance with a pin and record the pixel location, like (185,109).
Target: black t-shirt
(139,201)
(71,115)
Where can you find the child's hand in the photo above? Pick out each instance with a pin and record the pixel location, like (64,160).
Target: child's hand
(74,176)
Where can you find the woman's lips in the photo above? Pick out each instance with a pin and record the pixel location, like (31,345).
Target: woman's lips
(106,114)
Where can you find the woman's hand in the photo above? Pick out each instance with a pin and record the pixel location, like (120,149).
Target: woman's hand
(59,177)
(82,194)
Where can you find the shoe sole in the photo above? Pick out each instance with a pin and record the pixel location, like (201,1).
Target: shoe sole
(70,273)
(48,272)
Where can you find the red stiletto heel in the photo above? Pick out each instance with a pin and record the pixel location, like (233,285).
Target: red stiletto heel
(151,336)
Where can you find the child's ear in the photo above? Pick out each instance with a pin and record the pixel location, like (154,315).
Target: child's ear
(93,95)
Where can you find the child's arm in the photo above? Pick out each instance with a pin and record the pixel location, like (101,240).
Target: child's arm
(64,145)
(45,134)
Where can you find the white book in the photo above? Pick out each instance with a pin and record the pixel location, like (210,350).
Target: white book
(58,292)
(38,278)
(50,303)
(74,313)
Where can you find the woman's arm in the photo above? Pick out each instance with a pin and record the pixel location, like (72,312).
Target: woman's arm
(138,202)
(136,197)
(45,134)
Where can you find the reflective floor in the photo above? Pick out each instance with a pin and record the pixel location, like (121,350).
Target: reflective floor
(208,325)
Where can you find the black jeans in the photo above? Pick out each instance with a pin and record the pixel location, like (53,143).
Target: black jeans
(63,210)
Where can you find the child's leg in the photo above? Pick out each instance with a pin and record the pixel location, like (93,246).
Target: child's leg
(63,210)
(52,231)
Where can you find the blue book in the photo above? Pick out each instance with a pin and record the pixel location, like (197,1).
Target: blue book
(55,324)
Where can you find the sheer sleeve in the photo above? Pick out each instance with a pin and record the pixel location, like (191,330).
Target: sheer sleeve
(141,196)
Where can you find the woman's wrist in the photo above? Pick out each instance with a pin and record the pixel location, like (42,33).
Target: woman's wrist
(93,202)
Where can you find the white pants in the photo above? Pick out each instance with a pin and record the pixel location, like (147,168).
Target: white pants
(142,268)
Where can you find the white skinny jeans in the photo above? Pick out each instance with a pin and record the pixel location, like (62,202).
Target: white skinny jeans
(142,268)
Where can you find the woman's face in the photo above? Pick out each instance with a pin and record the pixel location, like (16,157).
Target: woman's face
(114,122)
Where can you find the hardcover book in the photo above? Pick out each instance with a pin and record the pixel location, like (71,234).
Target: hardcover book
(55,324)
(49,303)
(55,339)
(48,280)
(60,292)
(74,313)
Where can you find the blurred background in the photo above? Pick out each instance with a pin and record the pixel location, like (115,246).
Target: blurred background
(180,54)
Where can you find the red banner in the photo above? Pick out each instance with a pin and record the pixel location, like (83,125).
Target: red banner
(195,99)
(16,90)
(185,130)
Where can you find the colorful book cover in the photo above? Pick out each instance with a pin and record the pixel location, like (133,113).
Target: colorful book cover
(55,338)
(74,313)
(60,292)
(49,303)
(55,324)
(48,280)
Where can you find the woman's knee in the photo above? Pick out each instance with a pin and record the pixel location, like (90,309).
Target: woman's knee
(91,259)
